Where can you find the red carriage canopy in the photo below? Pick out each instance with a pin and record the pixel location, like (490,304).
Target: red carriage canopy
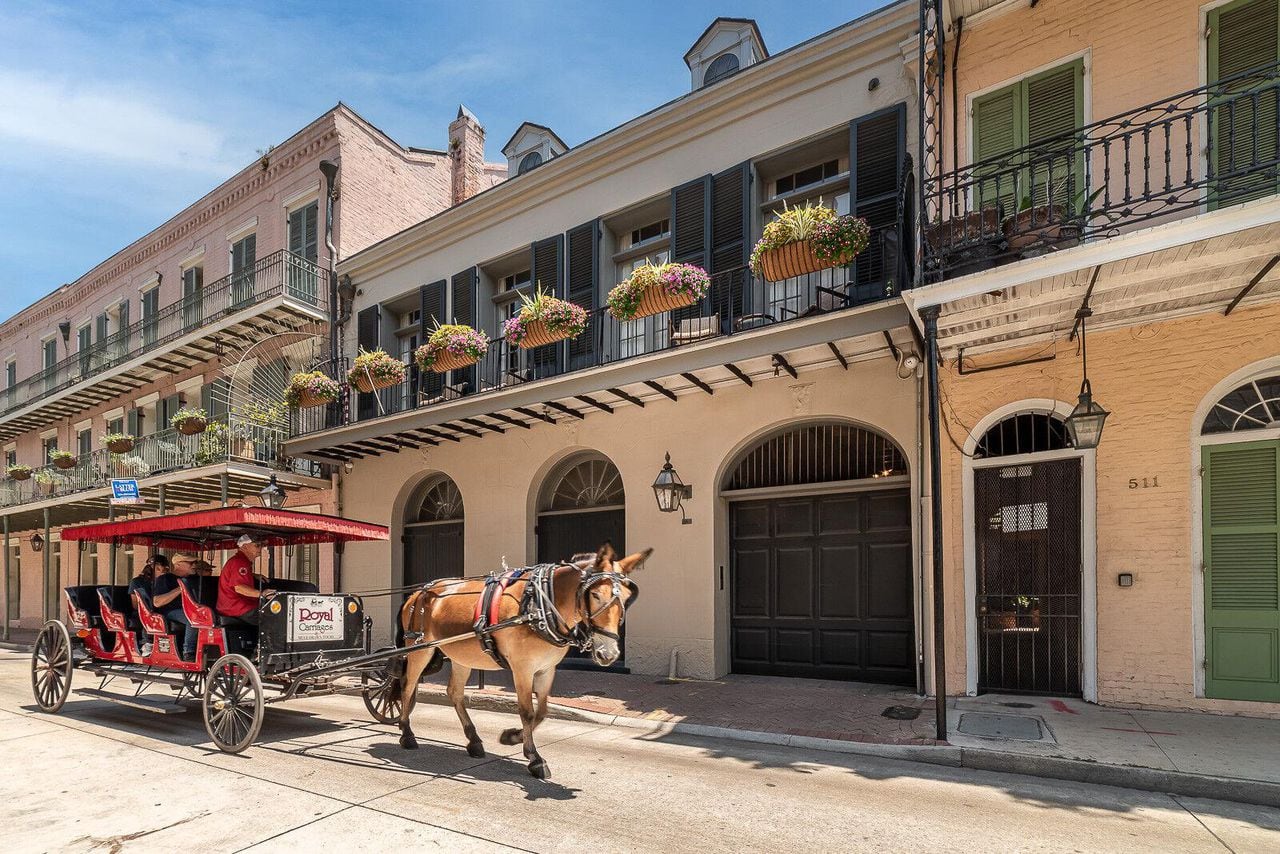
(211,530)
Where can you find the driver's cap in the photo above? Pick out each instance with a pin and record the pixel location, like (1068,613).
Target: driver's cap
(245,540)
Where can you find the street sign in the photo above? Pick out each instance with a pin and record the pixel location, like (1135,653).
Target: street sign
(124,490)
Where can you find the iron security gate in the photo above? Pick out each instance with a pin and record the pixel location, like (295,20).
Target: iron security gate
(1029,577)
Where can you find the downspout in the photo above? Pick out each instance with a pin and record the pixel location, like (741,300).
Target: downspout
(335,483)
(330,171)
(930,317)
(7,587)
(920,519)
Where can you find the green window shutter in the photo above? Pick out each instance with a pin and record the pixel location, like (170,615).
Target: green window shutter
(1243,137)
(1055,108)
(1242,570)
(133,422)
(997,131)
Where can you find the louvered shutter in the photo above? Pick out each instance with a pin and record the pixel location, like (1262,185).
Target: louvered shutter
(463,305)
(169,407)
(1242,571)
(997,121)
(213,398)
(582,262)
(730,243)
(876,152)
(123,333)
(432,299)
(133,422)
(1242,36)
(103,323)
(548,275)
(690,231)
(368,322)
(1055,108)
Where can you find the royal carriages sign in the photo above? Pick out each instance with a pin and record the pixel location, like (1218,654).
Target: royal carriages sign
(315,618)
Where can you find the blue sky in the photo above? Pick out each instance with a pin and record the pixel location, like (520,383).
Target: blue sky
(114,116)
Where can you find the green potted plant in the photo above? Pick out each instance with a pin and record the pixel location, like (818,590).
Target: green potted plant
(807,239)
(655,288)
(18,472)
(311,388)
(190,421)
(45,481)
(451,346)
(1036,228)
(969,243)
(212,446)
(118,443)
(544,319)
(62,459)
(132,465)
(375,369)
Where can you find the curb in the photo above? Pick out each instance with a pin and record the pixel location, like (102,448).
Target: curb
(15,647)
(1240,790)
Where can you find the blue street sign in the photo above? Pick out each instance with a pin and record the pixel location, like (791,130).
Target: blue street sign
(124,490)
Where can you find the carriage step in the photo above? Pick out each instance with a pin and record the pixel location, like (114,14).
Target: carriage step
(158,705)
(139,677)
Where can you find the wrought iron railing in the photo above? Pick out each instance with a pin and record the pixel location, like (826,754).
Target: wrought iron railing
(1203,149)
(279,273)
(226,440)
(736,303)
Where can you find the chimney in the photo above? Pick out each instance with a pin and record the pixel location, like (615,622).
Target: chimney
(466,153)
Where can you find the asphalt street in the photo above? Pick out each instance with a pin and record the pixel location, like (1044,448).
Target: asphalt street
(101,777)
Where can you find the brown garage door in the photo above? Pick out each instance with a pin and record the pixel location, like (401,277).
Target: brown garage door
(821,587)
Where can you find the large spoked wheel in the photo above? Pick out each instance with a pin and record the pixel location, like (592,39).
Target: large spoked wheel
(382,692)
(51,666)
(233,708)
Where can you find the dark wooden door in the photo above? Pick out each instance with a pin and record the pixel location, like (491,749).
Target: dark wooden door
(562,535)
(1029,577)
(432,551)
(821,587)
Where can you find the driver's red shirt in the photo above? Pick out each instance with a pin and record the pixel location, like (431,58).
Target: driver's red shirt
(237,570)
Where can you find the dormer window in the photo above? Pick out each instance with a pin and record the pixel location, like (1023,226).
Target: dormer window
(721,67)
(806,177)
(529,161)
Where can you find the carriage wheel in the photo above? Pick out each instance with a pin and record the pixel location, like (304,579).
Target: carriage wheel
(382,694)
(51,666)
(233,707)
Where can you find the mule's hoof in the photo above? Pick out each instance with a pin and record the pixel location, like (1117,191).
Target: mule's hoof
(408,742)
(475,750)
(540,769)
(512,736)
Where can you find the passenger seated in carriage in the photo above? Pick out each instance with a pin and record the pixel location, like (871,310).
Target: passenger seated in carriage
(143,584)
(167,599)
(239,593)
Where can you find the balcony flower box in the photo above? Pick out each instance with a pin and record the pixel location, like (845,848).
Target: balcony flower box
(311,389)
(807,239)
(374,370)
(63,459)
(190,422)
(45,482)
(451,346)
(654,289)
(19,472)
(118,443)
(544,320)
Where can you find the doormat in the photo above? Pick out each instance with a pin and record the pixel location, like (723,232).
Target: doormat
(901,713)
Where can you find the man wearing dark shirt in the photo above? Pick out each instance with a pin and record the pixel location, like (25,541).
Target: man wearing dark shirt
(167,599)
(238,592)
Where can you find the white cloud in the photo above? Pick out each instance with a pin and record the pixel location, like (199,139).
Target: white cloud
(107,122)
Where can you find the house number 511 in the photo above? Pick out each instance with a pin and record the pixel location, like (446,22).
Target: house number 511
(1144,483)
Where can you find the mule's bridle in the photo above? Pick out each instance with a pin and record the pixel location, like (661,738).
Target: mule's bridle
(553,626)
(618,581)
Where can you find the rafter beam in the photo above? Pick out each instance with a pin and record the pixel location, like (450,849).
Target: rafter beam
(591,401)
(737,372)
(779,361)
(484,424)
(438,435)
(415,435)
(1253,283)
(560,407)
(629,398)
(844,363)
(514,422)
(467,430)
(699,383)
(533,413)
(661,389)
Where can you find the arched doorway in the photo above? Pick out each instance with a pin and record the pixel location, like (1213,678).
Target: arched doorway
(1026,576)
(1240,541)
(820,556)
(581,506)
(433,531)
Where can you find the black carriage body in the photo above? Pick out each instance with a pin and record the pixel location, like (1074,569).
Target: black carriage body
(300,628)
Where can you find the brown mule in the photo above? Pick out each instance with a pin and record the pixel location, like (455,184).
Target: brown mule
(590,596)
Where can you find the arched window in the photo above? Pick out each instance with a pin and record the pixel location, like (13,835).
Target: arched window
(721,67)
(440,502)
(817,453)
(587,484)
(529,161)
(1024,433)
(1253,406)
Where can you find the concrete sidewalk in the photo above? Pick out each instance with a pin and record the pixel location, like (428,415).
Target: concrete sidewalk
(1202,755)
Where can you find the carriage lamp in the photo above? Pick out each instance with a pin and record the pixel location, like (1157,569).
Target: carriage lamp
(37,542)
(670,491)
(1086,420)
(272,495)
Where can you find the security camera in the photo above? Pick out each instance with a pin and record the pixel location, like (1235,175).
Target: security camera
(347,467)
(910,362)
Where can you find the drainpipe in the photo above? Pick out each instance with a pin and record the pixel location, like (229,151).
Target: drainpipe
(7,587)
(925,496)
(335,483)
(330,171)
(44,553)
(930,317)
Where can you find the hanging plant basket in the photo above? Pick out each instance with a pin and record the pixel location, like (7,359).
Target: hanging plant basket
(446,361)
(311,389)
(307,399)
(808,239)
(375,370)
(122,445)
(654,289)
(65,462)
(20,473)
(451,346)
(192,426)
(789,261)
(537,334)
(544,320)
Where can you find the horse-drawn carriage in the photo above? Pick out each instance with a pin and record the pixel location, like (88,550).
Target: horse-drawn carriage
(310,644)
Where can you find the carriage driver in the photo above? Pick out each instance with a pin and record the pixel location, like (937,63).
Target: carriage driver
(238,592)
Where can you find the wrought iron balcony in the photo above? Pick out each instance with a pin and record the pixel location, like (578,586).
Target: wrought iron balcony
(736,304)
(1197,151)
(167,451)
(281,274)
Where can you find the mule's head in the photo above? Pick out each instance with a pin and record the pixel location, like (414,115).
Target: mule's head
(605,600)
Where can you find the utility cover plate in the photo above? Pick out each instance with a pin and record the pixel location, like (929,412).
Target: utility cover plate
(987,725)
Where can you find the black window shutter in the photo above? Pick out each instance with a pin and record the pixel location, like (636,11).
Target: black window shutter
(690,233)
(548,274)
(433,298)
(133,422)
(168,408)
(730,242)
(582,251)
(463,298)
(877,145)
(367,336)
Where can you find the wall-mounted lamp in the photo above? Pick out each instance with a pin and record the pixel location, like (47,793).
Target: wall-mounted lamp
(65,328)
(1086,420)
(670,491)
(272,495)
(37,542)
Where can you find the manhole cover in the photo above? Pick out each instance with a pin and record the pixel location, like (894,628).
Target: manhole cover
(1021,727)
(901,713)
(1018,705)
